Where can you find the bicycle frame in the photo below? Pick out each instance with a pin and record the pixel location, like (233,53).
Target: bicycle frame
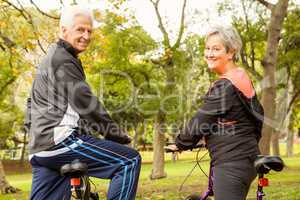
(209,191)
(262,182)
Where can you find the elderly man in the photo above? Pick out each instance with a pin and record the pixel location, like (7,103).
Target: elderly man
(60,98)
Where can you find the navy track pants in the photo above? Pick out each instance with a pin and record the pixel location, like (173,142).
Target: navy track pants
(105,160)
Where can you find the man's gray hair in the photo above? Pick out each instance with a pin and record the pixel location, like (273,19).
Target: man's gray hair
(230,37)
(69,13)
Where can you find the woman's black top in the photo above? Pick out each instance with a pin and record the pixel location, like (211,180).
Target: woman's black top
(230,122)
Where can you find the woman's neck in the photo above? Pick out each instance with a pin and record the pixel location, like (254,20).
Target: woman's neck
(228,67)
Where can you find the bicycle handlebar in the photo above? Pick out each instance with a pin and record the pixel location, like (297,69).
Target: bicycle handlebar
(197,146)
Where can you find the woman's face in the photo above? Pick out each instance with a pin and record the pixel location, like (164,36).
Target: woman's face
(215,54)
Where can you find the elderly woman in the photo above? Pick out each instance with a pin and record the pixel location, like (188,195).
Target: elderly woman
(230,120)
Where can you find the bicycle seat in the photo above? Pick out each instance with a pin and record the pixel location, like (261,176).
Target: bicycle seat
(264,164)
(74,169)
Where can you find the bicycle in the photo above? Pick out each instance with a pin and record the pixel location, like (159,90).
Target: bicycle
(263,165)
(79,180)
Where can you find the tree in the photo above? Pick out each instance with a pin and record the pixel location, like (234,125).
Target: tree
(252,26)
(168,64)
(278,14)
(289,50)
(20,40)
(11,51)
(163,80)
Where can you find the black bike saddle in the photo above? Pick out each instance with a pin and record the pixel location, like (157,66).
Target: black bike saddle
(264,164)
(74,169)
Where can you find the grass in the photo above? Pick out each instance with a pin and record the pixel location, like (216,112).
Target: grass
(283,186)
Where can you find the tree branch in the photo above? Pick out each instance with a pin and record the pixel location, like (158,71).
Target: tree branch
(252,53)
(166,41)
(246,64)
(74,2)
(3,87)
(15,139)
(181,29)
(28,18)
(15,7)
(42,12)
(2,47)
(157,62)
(293,100)
(30,21)
(8,42)
(266,4)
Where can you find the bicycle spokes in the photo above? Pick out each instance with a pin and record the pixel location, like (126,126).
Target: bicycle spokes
(80,188)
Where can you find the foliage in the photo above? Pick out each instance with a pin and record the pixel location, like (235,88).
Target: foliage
(116,68)
(13,48)
(250,19)
(288,60)
(290,47)
(122,73)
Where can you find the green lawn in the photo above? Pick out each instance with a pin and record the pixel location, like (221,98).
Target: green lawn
(283,186)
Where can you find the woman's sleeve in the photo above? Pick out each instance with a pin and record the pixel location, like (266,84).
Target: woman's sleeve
(217,102)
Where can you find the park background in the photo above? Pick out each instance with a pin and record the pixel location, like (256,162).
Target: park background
(146,65)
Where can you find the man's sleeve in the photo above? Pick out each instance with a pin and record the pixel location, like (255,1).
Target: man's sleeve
(217,102)
(81,99)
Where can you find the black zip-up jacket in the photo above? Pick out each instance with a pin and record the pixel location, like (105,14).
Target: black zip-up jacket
(230,122)
(60,97)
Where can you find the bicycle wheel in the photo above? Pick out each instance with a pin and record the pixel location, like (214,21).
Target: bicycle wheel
(88,195)
(82,191)
(86,188)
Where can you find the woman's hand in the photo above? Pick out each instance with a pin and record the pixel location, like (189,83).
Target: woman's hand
(171,148)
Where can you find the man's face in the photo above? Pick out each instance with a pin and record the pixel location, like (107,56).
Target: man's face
(79,35)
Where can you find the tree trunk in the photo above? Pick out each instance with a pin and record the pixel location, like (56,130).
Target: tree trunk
(139,131)
(23,149)
(167,63)
(159,137)
(290,143)
(275,143)
(135,138)
(5,188)
(289,122)
(158,164)
(278,13)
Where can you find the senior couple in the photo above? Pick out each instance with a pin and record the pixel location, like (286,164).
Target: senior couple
(61,97)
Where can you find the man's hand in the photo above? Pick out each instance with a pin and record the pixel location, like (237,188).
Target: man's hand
(127,140)
(120,138)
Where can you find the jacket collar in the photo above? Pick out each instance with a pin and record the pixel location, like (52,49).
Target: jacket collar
(68,47)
